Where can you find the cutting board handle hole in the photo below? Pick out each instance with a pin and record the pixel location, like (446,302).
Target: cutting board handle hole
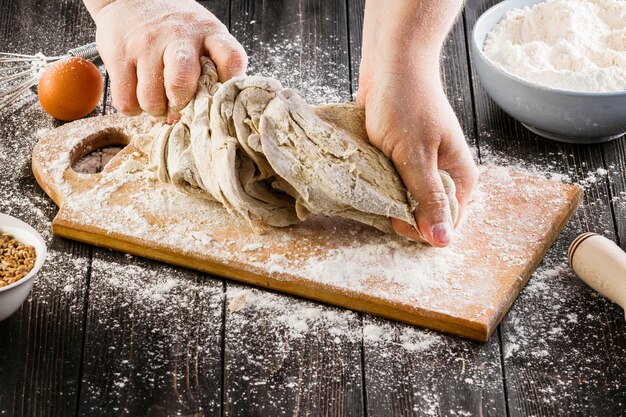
(92,154)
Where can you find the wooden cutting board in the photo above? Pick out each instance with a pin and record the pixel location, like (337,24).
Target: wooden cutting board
(464,290)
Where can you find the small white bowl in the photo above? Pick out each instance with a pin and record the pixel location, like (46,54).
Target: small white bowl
(565,116)
(12,296)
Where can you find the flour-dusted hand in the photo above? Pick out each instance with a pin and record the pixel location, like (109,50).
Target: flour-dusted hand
(408,116)
(152,50)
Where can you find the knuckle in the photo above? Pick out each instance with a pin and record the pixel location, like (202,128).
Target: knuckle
(391,147)
(213,25)
(407,152)
(431,138)
(178,30)
(178,96)
(180,83)
(183,55)
(469,177)
(434,201)
(405,229)
(152,103)
(234,62)
(237,58)
(399,149)
(147,38)
(181,75)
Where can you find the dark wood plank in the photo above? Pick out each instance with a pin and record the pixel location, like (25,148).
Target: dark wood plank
(154,333)
(51,27)
(563,346)
(301,43)
(415,372)
(283,355)
(287,356)
(41,344)
(153,344)
(409,371)
(615,160)
(355,35)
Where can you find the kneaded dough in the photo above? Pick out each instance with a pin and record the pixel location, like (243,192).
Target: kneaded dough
(265,154)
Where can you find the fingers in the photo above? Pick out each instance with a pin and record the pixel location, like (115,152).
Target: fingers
(150,87)
(181,72)
(421,177)
(228,55)
(170,81)
(123,78)
(154,61)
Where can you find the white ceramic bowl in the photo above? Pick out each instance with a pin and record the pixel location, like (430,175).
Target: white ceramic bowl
(12,296)
(566,116)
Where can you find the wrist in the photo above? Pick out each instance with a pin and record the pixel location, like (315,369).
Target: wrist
(408,36)
(417,70)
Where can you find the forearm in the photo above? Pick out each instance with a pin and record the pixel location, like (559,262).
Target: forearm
(94,6)
(407,30)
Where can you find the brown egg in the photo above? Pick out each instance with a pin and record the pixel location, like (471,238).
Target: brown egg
(70,89)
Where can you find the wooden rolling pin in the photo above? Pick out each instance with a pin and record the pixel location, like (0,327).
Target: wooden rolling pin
(601,264)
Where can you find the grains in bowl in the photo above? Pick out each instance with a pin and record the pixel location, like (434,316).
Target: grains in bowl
(16,259)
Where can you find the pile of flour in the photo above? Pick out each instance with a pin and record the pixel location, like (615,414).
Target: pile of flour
(577,45)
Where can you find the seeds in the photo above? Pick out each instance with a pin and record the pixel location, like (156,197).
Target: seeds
(16,259)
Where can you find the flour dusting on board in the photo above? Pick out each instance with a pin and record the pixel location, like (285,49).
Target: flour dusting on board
(425,270)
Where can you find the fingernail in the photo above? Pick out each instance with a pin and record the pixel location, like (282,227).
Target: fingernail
(442,233)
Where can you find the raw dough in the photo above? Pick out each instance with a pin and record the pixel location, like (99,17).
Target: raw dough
(264,153)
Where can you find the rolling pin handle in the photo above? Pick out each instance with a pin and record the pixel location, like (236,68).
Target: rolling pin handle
(601,264)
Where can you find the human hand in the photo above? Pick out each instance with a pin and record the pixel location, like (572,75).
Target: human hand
(152,50)
(409,118)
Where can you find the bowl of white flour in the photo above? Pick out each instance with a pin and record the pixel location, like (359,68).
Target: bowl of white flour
(557,66)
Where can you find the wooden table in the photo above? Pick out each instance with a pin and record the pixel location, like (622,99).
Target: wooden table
(107,334)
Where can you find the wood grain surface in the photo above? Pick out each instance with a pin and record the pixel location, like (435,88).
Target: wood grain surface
(560,351)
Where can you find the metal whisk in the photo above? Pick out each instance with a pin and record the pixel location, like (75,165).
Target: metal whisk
(19,72)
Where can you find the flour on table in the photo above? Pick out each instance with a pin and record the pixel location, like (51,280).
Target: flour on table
(577,45)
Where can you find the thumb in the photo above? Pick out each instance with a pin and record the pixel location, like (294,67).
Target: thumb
(423,181)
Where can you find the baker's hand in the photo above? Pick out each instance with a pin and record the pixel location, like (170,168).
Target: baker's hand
(409,118)
(151,50)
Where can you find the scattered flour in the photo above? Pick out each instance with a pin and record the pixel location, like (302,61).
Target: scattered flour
(423,270)
(577,45)
(251,247)
(175,313)
(286,313)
